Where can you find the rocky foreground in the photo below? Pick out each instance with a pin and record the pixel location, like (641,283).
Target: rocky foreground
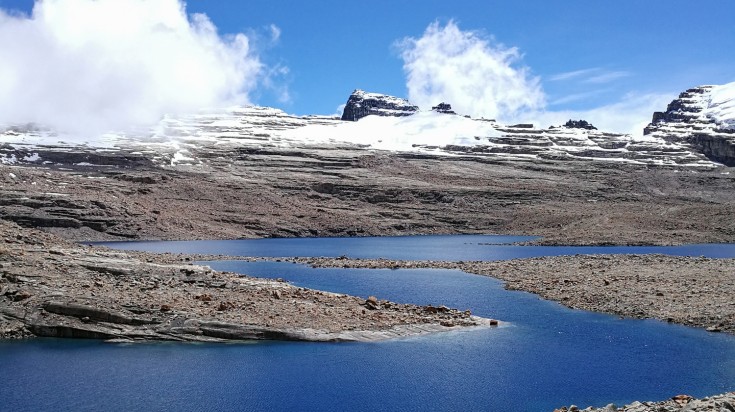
(52,288)
(718,403)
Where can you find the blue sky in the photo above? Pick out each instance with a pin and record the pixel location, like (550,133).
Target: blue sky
(585,55)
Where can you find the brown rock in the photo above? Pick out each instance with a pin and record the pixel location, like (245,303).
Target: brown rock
(204,297)
(21,295)
(372,303)
(682,399)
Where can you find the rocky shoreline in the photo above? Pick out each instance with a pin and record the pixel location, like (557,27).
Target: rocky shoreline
(720,403)
(692,291)
(52,288)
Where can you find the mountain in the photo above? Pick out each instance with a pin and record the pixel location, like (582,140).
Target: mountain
(702,118)
(381,122)
(361,104)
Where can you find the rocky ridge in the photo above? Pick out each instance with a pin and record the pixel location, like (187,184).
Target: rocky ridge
(702,118)
(361,104)
(189,140)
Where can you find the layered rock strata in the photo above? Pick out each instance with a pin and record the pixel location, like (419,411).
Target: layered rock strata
(702,118)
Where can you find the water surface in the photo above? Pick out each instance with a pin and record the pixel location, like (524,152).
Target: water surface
(546,357)
(446,247)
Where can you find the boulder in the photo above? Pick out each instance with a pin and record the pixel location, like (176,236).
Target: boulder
(372,303)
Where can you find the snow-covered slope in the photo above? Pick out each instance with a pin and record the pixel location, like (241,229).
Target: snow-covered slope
(702,118)
(180,139)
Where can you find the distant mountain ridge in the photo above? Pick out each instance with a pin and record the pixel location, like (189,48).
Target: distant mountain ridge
(703,118)
(696,130)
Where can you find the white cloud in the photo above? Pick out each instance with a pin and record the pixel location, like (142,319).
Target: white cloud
(88,66)
(607,77)
(275,32)
(629,115)
(594,75)
(572,74)
(471,72)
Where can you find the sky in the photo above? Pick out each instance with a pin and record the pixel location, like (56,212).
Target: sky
(96,64)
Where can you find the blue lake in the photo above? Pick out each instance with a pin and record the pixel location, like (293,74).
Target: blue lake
(547,357)
(449,247)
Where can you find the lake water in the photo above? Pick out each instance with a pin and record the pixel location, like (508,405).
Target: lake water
(547,357)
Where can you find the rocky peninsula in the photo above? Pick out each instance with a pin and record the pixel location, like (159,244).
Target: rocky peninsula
(50,287)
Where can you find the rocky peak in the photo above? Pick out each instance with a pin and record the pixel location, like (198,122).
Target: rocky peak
(443,108)
(362,103)
(703,118)
(579,124)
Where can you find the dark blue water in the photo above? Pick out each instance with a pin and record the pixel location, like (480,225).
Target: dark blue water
(450,247)
(547,357)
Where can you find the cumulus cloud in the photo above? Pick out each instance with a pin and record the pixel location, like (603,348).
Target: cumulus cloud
(89,66)
(472,72)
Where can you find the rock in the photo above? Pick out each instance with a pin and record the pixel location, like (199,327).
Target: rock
(682,399)
(361,104)
(442,107)
(223,306)
(372,303)
(21,295)
(204,297)
(276,294)
(579,124)
(94,313)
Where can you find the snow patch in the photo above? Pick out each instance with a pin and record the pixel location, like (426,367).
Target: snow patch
(399,133)
(721,105)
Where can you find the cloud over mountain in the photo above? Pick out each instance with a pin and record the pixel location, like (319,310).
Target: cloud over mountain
(88,66)
(475,74)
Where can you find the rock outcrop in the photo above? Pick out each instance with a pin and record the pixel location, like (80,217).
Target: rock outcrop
(362,103)
(445,108)
(579,124)
(702,118)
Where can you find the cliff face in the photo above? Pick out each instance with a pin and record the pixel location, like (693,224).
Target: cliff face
(361,104)
(702,118)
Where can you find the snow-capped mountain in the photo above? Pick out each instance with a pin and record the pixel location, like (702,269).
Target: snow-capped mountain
(702,118)
(190,139)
